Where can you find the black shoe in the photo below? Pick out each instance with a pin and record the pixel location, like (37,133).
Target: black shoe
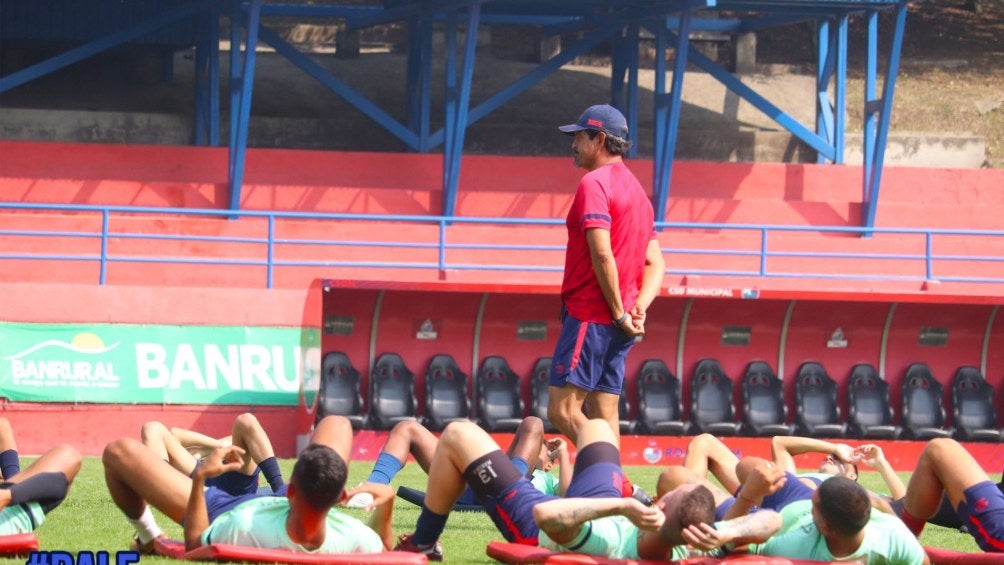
(434,551)
(641,496)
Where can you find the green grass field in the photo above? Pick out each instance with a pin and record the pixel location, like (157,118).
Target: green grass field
(88,520)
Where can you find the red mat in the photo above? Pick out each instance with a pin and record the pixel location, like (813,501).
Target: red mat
(225,552)
(18,545)
(517,554)
(941,556)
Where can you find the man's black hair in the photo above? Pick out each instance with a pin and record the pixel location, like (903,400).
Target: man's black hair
(320,474)
(844,505)
(615,145)
(697,507)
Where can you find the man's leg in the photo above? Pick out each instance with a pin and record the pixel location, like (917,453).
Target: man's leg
(524,451)
(136,476)
(167,446)
(10,463)
(248,434)
(707,453)
(405,438)
(944,467)
(336,433)
(605,406)
(564,409)
(465,454)
(46,481)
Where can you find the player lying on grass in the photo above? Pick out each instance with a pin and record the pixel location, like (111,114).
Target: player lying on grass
(27,496)
(184,449)
(528,446)
(302,520)
(945,468)
(593,518)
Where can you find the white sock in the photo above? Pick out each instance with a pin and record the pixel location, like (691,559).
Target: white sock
(146,526)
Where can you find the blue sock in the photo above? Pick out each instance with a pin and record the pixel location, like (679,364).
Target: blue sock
(270,468)
(522,464)
(386,467)
(429,527)
(9,464)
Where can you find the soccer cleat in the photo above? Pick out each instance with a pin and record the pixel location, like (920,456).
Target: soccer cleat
(360,500)
(148,548)
(641,496)
(433,551)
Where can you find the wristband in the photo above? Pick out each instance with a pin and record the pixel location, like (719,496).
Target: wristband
(620,321)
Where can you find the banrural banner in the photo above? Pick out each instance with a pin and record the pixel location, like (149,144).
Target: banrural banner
(157,364)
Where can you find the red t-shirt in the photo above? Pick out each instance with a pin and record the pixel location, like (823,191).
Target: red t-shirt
(609,198)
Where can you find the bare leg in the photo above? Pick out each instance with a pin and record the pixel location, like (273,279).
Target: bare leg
(167,446)
(135,476)
(707,453)
(248,434)
(410,437)
(527,441)
(63,458)
(944,466)
(564,410)
(336,433)
(604,405)
(6,436)
(595,431)
(460,444)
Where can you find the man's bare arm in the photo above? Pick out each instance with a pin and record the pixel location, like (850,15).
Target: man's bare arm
(562,518)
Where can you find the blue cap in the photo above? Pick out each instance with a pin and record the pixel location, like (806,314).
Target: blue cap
(602,117)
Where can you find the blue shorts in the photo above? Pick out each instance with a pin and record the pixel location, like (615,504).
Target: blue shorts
(983,514)
(219,501)
(792,491)
(512,511)
(597,474)
(590,356)
(235,482)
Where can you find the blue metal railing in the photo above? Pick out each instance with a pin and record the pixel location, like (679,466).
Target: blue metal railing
(760,251)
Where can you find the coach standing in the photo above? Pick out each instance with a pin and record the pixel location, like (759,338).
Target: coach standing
(613,271)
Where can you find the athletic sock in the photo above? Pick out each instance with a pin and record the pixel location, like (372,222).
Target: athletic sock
(146,526)
(10,465)
(42,488)
(522,464)
(914,524)
(270,468)
(429,527)
(386,467)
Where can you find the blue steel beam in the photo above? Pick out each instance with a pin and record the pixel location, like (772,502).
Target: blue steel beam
(665,141)
(458,99)
(322,75)
(239,138)
(777,114)
(873,175)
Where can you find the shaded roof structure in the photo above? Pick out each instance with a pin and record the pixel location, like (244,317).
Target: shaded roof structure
(81,31)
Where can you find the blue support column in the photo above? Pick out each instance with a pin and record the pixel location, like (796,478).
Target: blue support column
(207,82)
(664,157)
(425,77)
(238,147)
(871,72)
(633,43)
(660,105)
(874,179)
(840,93)
(824,71)
(459,98)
